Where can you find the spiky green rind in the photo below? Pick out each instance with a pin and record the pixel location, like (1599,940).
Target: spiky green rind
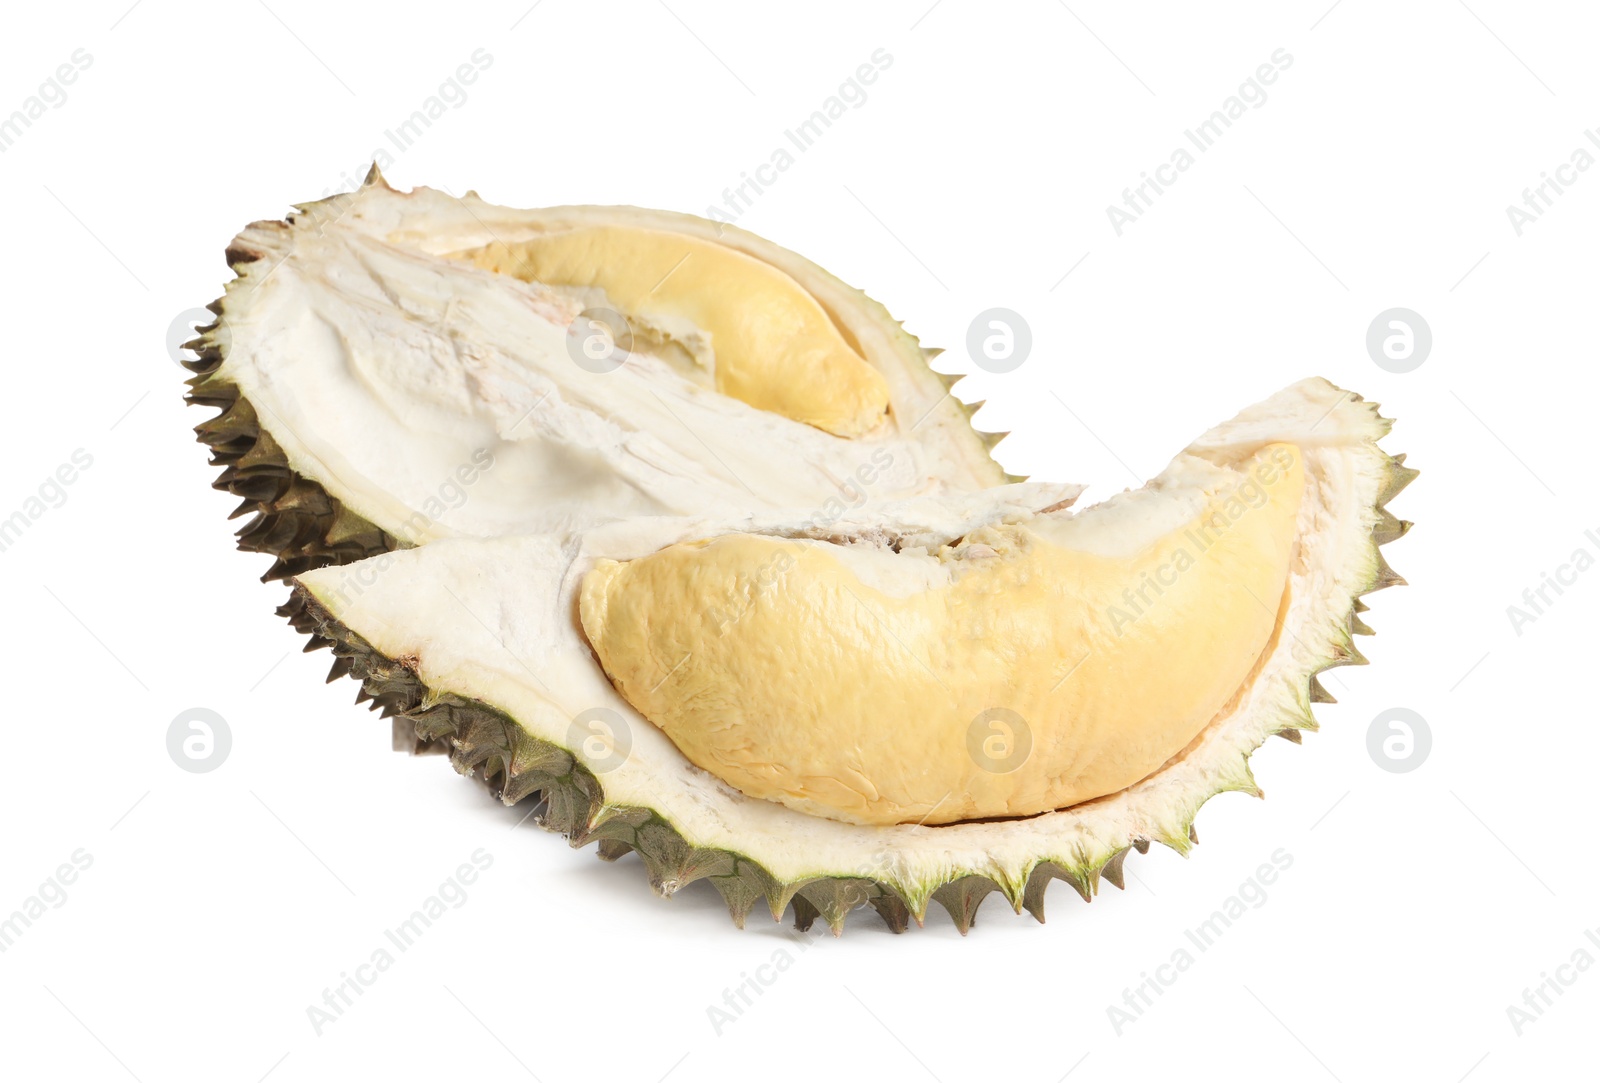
(518,766)
(296,521)
(570,799)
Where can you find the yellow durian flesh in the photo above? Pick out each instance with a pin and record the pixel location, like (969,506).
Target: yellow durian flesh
(771,344)
(1013,673)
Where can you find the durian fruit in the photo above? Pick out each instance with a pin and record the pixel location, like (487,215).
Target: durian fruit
(839,660)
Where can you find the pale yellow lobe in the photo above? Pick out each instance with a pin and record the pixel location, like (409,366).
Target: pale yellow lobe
(1028,677)
(774,346)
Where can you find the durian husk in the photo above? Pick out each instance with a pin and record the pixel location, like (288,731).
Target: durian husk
(302,527)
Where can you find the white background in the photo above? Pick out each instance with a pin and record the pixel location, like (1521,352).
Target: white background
(977,174)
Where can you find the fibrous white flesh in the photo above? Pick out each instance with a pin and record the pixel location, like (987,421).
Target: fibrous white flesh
(387,373)
(493,620)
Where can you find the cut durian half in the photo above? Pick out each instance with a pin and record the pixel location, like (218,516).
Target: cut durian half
(399,367)
(480,643)
(658,524)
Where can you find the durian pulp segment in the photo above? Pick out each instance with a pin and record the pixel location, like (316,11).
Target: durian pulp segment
(767,342)
(1017,672)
